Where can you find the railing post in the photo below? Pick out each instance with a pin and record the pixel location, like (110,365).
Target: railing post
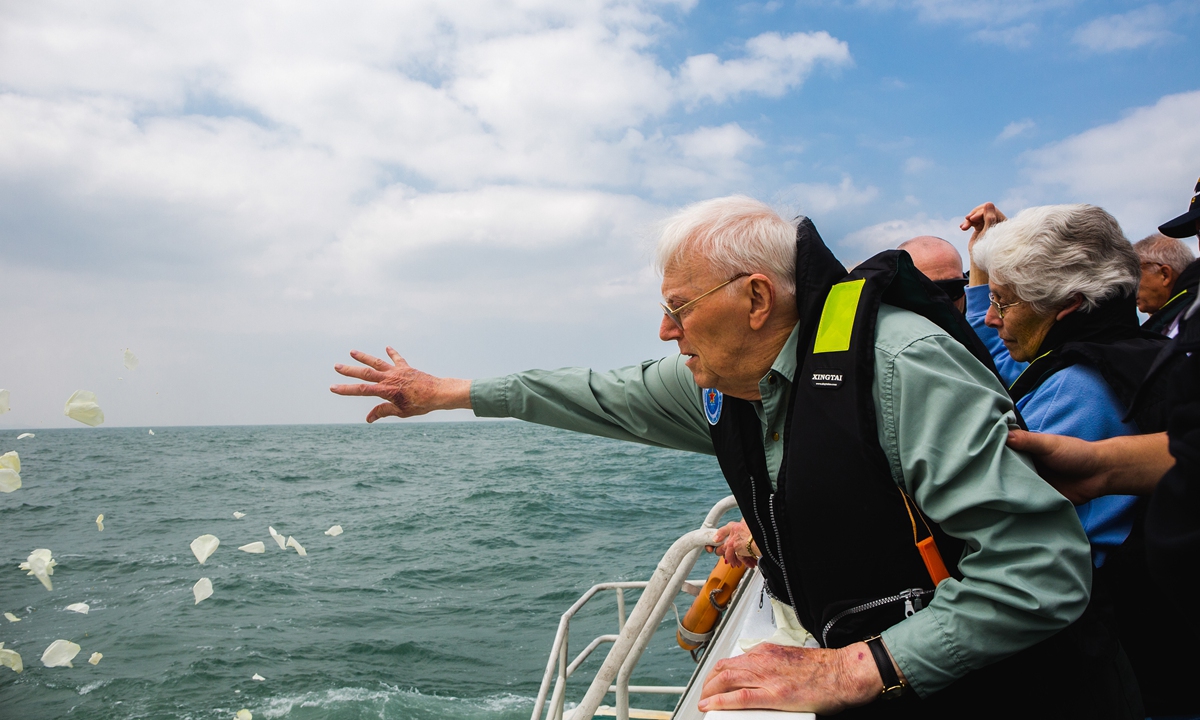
(620,609)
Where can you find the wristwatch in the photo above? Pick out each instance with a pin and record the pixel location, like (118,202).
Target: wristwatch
(893,686)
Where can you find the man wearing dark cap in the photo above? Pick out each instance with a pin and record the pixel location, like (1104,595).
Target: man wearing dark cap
(1181,291)
(1187,224)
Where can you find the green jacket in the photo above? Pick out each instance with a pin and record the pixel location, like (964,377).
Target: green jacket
(943,421)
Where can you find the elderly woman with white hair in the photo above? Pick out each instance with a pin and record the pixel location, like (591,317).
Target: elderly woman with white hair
(1053,296)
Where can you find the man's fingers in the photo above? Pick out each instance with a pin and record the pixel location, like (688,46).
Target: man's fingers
(383,410)
(358,390)
(396,358)
(728,676)
(741,699)
(365,359)
(362,373)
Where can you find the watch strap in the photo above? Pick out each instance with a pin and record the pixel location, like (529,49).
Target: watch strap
(892,684)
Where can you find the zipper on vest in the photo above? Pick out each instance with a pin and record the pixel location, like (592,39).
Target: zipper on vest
(778,543)
(912,603)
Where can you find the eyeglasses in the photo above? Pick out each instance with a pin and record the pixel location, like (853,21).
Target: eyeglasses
(676,315)
(1001,308)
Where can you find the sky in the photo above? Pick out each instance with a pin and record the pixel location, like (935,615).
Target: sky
(241,193)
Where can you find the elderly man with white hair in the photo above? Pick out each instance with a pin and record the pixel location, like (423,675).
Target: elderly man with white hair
(858,424)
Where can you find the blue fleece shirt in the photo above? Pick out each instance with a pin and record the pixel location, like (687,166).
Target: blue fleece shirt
(1074,401)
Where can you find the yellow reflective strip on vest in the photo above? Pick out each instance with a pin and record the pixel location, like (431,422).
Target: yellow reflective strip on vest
(837,318)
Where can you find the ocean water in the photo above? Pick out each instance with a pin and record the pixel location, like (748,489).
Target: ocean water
(463,544)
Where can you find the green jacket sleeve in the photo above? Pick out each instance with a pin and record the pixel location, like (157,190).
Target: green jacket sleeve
(1027,567)
(656,402)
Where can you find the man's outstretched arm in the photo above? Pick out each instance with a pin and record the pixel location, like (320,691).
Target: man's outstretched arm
(408,391)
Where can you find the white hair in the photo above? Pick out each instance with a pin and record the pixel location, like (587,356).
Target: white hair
(1163,250)
(1051,253)
(734,234)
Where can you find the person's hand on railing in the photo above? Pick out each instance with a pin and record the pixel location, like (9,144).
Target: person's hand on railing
(736,545)
(795,679)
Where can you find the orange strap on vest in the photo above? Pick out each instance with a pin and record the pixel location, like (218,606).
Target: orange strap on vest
(927,547)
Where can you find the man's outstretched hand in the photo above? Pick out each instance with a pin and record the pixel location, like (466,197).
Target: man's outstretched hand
(773,677)
(408,391)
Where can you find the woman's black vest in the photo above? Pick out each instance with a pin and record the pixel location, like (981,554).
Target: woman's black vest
(835,535)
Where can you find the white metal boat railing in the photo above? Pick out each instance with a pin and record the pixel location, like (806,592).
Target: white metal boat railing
(633,634)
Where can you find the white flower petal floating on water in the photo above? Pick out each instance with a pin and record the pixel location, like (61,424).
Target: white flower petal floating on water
(238,515)
(257,677)
(131,361)
(10,659)
(244,714)
(81,608)
(82,407)
(60,654)
(334,531)
(151,432)
(22,436)
(10,471)
(278,538)
(3,402)
(41,565)
(204,546)
(11,618)
(100,522)
(291,542)
(202,590)
(254,547)
(96,658)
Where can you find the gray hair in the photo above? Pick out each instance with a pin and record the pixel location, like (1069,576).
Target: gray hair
(1049,254)
(1163,250)
(734,234)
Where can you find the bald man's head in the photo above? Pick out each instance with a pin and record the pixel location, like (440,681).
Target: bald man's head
(934,257)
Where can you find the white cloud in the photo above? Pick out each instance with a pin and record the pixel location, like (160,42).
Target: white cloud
(1014,37)
(819,199)
(1140,168)
(916,165)
(773,65)
(717,143)
(889,234)
(1015,128)
(1142,26)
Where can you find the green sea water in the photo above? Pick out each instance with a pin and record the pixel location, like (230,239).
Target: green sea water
(463,544)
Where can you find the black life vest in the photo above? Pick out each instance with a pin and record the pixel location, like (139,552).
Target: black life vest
(836,536)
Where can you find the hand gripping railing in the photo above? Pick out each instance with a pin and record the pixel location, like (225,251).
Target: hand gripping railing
(657,596)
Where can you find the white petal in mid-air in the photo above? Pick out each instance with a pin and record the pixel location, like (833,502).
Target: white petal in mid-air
(131,361)
(96,658)
(244,714)
(3,401)
(81,608)
(291,542)
(10,659)
(334,531)
(257,677)
(60,654)
(11,618)
(100,522)
(254,547)
(82,407)
(22,436)
(278,538)
(238,515)
(41,565)
(10,471)
(202,590)
(204,546)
